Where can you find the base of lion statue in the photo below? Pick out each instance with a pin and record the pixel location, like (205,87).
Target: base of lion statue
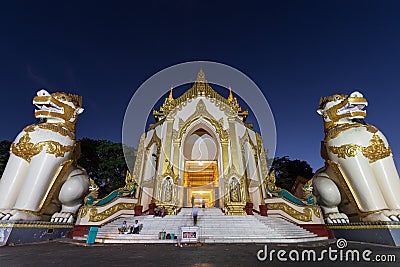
(12,233)
(385,233)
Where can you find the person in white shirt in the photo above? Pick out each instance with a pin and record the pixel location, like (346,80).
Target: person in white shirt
(135,227)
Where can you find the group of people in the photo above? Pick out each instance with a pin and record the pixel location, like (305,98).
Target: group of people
(133,229)
(160,212)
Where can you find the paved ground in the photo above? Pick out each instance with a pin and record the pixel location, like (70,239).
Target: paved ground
(65,252)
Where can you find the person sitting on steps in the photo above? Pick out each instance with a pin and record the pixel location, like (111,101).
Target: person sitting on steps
(156,211)
(163,211)
(135,228)
(123,228)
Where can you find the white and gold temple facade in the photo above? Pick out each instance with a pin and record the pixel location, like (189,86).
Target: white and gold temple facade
(201,151)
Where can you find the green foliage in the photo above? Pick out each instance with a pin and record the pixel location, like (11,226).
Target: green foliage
(286,171)
(105,163)
(4,155)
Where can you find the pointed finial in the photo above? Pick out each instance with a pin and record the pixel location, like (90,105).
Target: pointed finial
(201,77)
(170,97)
(230,97)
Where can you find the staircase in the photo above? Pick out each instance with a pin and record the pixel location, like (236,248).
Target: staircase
(214,227)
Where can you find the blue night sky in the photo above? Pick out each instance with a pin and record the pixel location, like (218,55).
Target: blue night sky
(295,51)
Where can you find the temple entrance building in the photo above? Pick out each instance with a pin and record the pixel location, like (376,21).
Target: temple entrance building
(201,152)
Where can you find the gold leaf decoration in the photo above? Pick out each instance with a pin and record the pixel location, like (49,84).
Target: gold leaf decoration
(26,150)
(375,151)
(306,216)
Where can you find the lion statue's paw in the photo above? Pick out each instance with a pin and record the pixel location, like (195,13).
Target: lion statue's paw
(18,215)
(384,216)
(63,217)
(336,217)
(5,214)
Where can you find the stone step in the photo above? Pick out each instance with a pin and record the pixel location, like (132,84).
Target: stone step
(214,227)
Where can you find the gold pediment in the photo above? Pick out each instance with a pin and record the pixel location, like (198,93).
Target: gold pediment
(199,88)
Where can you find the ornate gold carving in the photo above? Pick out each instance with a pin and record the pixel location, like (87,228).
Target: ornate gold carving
(130,182)
(375,151)
(93,188)
(246,139)
(271,181)
(305,216)
(344,151)
(332,132)
(169,172)
(200,88)
(60,128)
(69,113)
(98,217)
(371,128)
(26,150)
(171,208)
(235,208)
(341,101)
(324,100)
(154,140)
(201,112)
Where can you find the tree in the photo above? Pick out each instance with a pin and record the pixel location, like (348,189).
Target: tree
(286,171)
(105,163)
(4,155)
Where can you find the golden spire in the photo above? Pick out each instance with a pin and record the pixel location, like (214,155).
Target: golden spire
(170,97)
(230,97)
(201,77)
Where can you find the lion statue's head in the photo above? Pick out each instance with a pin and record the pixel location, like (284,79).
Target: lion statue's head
(340,109)
(57,107)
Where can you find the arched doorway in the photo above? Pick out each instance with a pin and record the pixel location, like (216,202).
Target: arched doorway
(200,177)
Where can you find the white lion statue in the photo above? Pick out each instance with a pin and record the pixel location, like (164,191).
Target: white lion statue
(41,174)
(359,180)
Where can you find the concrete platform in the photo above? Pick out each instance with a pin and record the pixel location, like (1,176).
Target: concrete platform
(385,233)
(31,231)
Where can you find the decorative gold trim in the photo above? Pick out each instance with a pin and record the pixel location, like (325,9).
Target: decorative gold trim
(154,140)
(69,114)
(83,211)
(235,208)
(26,150)
(375,151)
(364,226)
(54,185)
(331,113)
(60,128)
(36,225)
(201,112)
(334,131)
(348,189)
(98,217)
(200,88)
(306,216)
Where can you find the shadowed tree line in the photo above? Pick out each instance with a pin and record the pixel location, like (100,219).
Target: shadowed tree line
(105,163)
(287,171)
